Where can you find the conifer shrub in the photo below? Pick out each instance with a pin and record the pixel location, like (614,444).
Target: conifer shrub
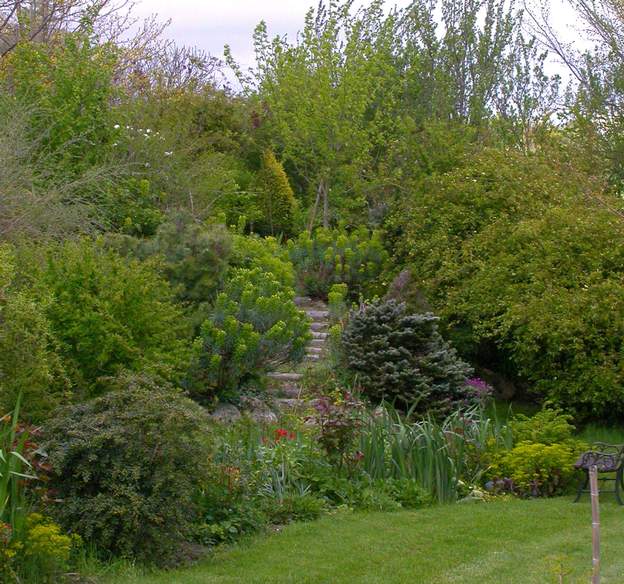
(402,358)
(335,256)
(255,325)
(195,256)
(128,466)
(275,199)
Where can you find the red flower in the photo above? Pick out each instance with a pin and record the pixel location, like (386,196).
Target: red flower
(281,433)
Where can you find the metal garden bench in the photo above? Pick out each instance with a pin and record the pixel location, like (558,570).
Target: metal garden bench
(608,458)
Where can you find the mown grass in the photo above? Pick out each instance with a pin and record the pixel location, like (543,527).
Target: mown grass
(511,542)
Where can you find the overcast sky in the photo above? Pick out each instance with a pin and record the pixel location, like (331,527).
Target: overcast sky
(210,24)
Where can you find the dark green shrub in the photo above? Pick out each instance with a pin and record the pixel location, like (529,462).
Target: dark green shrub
(329,257)
(109,314)
(255,326)
(127,467)
(400,357)
(294,508)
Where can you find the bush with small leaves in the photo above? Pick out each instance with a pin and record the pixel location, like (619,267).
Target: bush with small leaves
(402,358)
(128,467)
(109,314)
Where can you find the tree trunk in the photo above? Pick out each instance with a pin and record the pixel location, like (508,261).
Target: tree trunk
(315,208)
(325,204)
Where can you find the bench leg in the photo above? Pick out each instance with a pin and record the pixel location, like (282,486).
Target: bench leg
(582,486)
(619,483)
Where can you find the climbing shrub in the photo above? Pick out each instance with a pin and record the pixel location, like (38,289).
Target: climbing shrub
(132,207)
(334,256)
(526,272)
(254,326)
(127,467)
(402,358)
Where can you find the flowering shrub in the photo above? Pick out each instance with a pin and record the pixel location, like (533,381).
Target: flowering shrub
(44,553)
(338,420)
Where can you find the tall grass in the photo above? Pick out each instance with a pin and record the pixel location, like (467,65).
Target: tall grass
(436,454)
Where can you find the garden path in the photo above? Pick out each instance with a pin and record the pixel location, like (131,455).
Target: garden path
(285,386)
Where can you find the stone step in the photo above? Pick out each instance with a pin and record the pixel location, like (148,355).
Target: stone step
(303,300)
(315,350)
(317,314)
(318,326)
(318,336)
(287,391)
(312,357)
(285,377)
(317,343)
(291,404)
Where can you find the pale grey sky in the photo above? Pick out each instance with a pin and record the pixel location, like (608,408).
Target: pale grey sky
(210,24)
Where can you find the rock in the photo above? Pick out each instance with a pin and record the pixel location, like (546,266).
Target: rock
(317,314)
(226,414)
(258,410)
(317,336)
(285,376)
(302,300)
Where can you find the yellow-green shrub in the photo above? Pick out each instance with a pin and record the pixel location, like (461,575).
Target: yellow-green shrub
(334,256)
(275,198)
(538,469)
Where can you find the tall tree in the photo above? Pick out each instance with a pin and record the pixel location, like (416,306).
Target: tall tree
(325,97)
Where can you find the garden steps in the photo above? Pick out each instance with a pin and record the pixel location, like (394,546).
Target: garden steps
(285,389)
(318,336)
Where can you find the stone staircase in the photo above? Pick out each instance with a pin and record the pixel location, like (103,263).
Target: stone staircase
(284,386)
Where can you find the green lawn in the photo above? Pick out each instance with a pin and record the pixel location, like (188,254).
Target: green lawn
(499,543)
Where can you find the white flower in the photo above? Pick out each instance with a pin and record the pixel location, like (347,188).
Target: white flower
(168,153)
(148,131)
(116,126)
(115,144)
(147,165)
